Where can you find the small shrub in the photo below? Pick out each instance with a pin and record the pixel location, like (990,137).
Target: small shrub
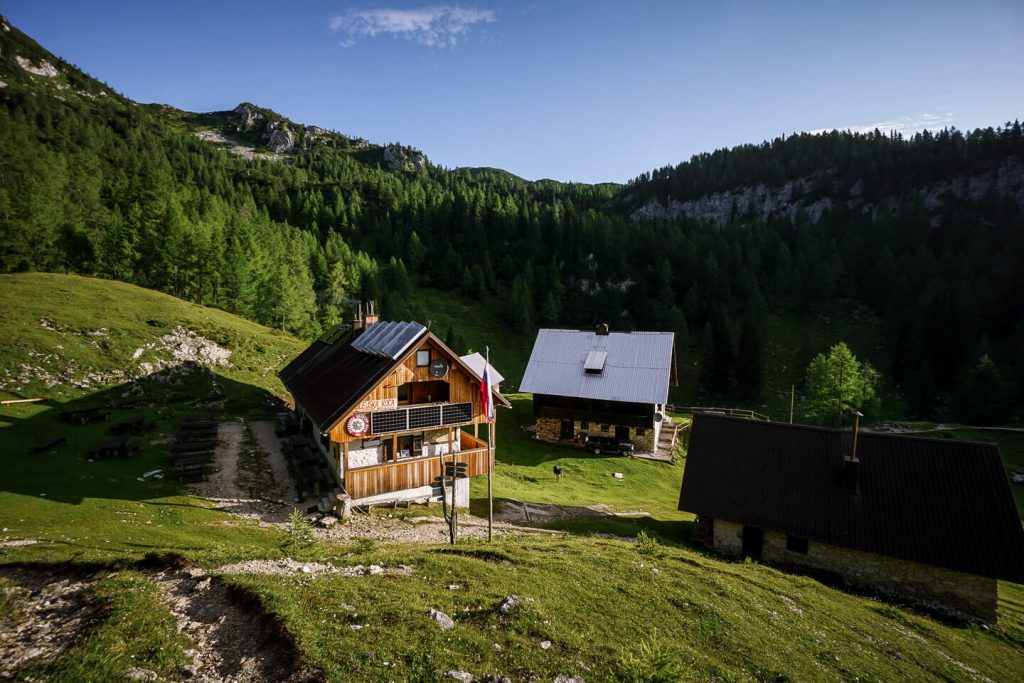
(365,545)
(300,532)
(649,546)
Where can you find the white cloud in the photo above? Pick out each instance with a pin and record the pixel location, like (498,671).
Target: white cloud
(438,26)
(907,125)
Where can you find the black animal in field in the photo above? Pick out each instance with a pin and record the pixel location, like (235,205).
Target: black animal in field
(558,472)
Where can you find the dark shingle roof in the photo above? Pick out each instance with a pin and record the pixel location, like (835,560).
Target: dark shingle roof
(939,502)
(328,379)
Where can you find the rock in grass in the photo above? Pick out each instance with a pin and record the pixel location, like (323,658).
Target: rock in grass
(443,620)
(136,674)
(495,678)
(508,605)
(545,644)
(562,678)
(463,676)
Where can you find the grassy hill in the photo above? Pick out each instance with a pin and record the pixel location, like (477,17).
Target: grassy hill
(608,608)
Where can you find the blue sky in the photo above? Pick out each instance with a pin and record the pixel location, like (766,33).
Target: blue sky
(587,91)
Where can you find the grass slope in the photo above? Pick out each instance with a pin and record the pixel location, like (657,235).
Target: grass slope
(611,610)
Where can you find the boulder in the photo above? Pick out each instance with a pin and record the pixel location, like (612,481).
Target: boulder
(463,676)
(398,158)
(444,621)
(508,605)
(281,140)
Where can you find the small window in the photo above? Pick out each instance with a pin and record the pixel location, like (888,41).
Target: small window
(640,431)
(604,428)
(796,544)
(423,358)
(584,425)
(403,393)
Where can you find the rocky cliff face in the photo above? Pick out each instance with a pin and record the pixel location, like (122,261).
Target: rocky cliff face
(246,116)
(790,200)
(398,158)
(279,138)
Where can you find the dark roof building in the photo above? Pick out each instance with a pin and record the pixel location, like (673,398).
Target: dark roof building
(941,503)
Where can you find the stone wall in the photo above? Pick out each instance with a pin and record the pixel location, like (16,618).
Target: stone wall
(936,588)
(550,429)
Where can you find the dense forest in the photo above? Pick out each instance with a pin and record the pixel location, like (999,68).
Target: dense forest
(93,183)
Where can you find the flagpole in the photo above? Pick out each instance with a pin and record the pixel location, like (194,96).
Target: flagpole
(490,458)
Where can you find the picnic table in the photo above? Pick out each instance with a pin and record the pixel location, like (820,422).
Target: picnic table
(83,416)
(134,425)
(47,445)
(119,446)
(192,446)
(196,435)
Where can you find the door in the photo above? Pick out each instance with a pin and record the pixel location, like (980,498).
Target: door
(566,430)
(753,540)
(622,433)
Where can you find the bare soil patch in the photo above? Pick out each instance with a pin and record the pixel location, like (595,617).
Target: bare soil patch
(52,614)
(235,641)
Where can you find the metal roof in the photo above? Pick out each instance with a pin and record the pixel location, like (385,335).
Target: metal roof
(389,339)
(637,365)
(594,363)
(936,501)
(475,361)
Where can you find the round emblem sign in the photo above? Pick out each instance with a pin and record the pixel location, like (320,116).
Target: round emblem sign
(358,424)
(439,368)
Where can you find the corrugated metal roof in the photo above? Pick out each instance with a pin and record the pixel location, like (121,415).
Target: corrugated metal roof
(939,502)
(637,369)
(389,339)
(476,363)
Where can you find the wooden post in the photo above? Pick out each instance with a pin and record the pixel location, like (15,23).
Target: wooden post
(792,398)
(453,530)
(394,447)
(490,458)
(476,428)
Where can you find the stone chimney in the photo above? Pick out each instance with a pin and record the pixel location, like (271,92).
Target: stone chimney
(364,320)
(371,317)
(601,330)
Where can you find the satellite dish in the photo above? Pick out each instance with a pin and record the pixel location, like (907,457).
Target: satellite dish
(439,368)
(658,417)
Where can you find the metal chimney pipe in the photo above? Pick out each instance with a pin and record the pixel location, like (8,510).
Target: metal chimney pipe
(857,415)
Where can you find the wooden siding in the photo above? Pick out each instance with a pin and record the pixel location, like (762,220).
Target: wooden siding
(408,474)
(462,387)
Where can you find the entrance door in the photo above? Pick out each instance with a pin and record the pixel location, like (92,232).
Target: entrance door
(622,433)
(753,540)
(566,430)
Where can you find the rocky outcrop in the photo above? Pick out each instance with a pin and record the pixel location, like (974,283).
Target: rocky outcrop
(246,116)
(792,200)
(398,158)
(278,137)
(44,68)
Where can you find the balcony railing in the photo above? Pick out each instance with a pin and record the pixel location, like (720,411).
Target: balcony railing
(415,472)
(420,417)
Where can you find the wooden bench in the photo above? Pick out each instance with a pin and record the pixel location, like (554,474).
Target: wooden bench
(47,445)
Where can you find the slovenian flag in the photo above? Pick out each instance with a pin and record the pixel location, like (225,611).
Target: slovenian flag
(486,393)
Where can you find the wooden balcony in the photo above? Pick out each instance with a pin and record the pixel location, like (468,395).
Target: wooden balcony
(416,417)
(415,472)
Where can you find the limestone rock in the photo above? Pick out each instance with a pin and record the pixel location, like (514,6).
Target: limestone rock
(246,116)
(463,676)
(279,138)
(44,68)
(398,158)
(443,620)
(508,605)
(562,678)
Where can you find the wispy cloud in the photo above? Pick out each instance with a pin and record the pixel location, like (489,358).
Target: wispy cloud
(436,26)
(907,125)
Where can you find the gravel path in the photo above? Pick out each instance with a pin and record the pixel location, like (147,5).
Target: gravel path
(288,566)
(270,444)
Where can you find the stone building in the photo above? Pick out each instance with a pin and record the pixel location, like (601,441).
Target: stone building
(926,519)
(601,383)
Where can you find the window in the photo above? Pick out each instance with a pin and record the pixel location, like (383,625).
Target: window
(640,431)
(796,544)
(403,393)
(584,425)
(423,358)
(604,428)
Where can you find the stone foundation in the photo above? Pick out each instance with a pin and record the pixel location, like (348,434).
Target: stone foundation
(550,429)
(964,595)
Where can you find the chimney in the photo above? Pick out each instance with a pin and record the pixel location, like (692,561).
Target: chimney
(851,463)
(371,317)
(357,323)
(601,330)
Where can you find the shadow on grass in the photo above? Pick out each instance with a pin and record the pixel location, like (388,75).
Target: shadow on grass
(68,473)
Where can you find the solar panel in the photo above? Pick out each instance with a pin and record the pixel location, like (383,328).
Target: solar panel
(388,339)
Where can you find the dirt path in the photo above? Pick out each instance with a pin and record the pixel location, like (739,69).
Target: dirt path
(52,614)
(234,642)
(270,444)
